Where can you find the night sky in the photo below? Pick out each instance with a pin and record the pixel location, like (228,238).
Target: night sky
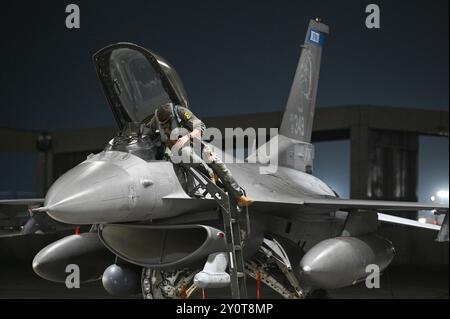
(233,56)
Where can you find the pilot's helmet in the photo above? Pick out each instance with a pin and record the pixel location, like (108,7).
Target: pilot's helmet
(164,113)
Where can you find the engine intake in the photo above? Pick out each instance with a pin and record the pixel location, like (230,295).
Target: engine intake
(162,247)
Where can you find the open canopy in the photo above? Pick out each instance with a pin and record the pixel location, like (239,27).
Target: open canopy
(137,81)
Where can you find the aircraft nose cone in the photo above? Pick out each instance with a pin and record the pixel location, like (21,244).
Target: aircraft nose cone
(92,192)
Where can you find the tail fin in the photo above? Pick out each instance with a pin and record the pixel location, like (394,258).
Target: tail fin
(299,115)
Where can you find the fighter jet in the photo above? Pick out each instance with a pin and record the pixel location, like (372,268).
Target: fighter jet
(153,236)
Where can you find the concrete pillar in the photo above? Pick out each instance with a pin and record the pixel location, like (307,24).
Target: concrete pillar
(393,165)
(384,165)
(359,154)
(44,172)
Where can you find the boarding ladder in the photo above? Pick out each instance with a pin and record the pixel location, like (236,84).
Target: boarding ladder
(231,214)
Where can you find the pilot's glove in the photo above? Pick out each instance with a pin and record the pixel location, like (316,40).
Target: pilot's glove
(167,154)
(182,140)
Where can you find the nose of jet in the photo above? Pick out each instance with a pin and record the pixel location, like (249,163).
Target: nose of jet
(92,192)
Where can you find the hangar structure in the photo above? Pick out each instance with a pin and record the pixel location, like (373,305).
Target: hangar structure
(384,144)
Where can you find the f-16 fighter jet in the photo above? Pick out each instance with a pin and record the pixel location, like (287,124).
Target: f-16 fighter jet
(151,234)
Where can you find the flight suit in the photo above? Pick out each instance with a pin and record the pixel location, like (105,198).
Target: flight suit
(184,118)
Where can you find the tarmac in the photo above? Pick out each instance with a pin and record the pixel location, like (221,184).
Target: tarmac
(397,283)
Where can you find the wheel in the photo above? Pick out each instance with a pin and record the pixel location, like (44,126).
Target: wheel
(161,284)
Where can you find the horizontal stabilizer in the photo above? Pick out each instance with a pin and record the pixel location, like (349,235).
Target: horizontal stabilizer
(406,222)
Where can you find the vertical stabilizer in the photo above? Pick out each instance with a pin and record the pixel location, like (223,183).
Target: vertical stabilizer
(299,115)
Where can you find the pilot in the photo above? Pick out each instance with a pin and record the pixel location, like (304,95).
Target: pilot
(168,118)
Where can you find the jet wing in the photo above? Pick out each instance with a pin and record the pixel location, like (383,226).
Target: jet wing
(27,201)
(372,205)
(291,209)
(311,204)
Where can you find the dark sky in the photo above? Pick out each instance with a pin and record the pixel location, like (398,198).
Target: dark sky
(234,57)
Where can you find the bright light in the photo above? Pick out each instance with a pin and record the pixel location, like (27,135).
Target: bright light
(442,194)
(422,220)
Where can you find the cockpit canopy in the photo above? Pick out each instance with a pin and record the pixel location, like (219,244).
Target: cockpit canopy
(136,82)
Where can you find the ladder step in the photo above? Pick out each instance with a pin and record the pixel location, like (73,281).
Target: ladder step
(232,230)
